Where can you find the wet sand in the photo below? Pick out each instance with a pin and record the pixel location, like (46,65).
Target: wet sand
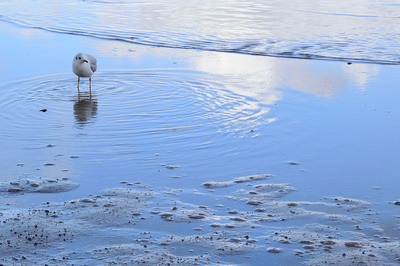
(295,208)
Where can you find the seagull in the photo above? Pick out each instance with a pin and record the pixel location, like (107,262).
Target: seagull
(84,65)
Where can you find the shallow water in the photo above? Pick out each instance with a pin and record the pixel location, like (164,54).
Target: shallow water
(172,131)
(341,30)
(143,119)
(177,151)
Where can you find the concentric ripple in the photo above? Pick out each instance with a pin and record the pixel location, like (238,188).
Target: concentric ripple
(128,113)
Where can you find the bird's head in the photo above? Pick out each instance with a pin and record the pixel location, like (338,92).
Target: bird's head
(81,58)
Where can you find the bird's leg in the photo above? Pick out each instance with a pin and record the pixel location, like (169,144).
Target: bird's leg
(90,85)
(78,83)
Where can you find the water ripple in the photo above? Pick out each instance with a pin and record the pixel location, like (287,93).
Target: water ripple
(301,29)
(128,112)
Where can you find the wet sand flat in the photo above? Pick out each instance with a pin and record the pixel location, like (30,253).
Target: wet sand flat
(194,157)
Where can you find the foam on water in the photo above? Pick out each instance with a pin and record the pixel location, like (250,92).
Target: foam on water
(333,30)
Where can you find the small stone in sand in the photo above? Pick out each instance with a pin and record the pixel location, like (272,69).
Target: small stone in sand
(253,202)
(166,215)
(354,244)
(274,250)
(196,216)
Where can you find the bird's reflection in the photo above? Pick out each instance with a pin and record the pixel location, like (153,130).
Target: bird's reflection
(85,109)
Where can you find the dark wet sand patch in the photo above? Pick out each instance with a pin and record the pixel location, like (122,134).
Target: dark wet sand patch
(38,185)
(138,225)
(214,184)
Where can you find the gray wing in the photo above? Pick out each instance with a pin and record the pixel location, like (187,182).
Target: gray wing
(93,62)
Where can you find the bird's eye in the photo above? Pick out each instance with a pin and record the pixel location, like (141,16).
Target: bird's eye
(76,58)
(79,58)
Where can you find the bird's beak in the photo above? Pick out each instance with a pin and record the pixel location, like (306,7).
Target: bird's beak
(85,61)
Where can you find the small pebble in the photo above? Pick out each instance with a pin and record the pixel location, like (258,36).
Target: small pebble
(328,242)
(354,244)
(238,219)
(88,200)
(196,216)
(253,202)
(14,190)
(298,252)
(166,215)
(274,250)
(215,225)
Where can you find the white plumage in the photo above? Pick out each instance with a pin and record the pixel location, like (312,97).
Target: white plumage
(84,65)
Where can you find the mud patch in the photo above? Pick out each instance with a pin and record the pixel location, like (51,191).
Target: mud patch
(214,184)
(38,185)
(139,225)
(325,245)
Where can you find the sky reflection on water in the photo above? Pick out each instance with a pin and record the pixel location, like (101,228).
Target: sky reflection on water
(173,119)
(238,93)
(333,30)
